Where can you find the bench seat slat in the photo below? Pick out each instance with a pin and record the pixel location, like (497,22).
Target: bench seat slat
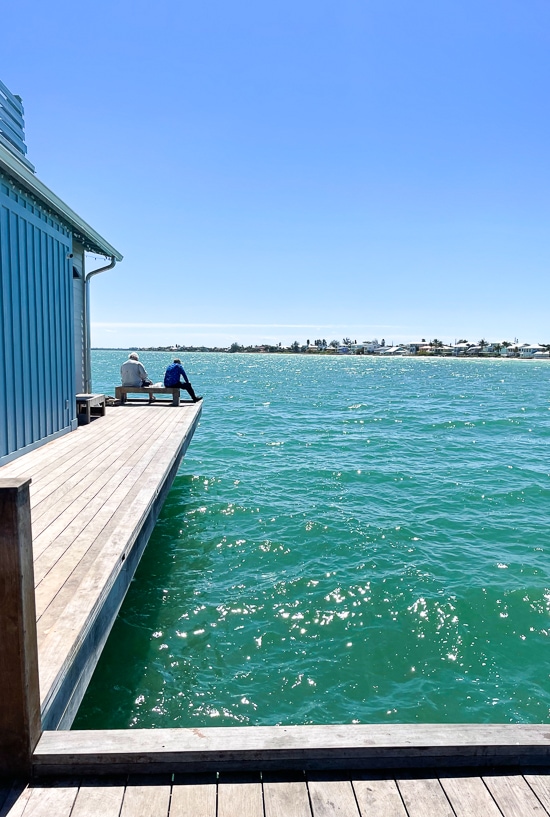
(122,392)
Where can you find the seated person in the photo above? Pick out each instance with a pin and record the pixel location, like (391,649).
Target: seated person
(172,379)
(132,372)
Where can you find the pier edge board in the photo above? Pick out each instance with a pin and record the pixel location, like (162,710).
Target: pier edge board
(65,695)
(20,725)
(293,747)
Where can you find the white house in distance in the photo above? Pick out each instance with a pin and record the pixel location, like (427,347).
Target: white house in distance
(532,350)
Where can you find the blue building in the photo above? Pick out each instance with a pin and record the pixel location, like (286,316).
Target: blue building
(44,298)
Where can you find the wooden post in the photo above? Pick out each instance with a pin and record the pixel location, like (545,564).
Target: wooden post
(20,725)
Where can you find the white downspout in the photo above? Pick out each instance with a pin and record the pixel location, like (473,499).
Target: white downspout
(87,356)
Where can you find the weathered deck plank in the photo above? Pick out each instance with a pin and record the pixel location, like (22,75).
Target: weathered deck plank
(540,784)
(331,797)
(147,798)
(514,797)
(378,797)
(469,796)
(99,798)
(16,796)
(194,796)
(240,795)
(56,798)
(95,494)
(284,797)
(424,797)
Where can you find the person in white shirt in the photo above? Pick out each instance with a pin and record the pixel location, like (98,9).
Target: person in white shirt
(132,372)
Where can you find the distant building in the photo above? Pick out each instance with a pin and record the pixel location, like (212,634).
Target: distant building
(529,350)
(419,348)
(44,303)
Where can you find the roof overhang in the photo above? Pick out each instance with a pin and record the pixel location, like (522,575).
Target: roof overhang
(82,231)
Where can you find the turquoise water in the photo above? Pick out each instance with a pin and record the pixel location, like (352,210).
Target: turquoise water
(348,540)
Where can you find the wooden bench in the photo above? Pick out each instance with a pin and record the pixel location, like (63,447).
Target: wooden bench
(122,392)
(88,404)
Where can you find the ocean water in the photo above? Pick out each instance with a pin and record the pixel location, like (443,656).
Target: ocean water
(348,540)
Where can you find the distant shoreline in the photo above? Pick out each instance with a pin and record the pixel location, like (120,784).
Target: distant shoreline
(311,353)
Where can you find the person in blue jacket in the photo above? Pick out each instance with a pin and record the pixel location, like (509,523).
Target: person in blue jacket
(172,379)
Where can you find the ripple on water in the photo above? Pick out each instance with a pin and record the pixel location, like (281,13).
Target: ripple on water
(349,540)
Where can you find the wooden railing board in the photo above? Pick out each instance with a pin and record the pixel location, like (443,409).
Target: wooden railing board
(295,747)
(20,723)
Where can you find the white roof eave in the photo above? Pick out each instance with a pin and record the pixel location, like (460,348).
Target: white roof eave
(91,240)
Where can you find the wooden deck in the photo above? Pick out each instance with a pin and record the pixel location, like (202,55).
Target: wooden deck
(95,496)
(515,793)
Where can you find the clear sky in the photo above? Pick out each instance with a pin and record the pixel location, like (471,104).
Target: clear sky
(294,169)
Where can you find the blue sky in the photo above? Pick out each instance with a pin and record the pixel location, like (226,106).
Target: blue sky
(288,170)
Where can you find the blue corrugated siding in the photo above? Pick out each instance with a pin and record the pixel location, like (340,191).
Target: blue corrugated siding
(36,323)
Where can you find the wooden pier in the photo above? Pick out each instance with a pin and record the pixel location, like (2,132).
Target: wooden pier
(94,496)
